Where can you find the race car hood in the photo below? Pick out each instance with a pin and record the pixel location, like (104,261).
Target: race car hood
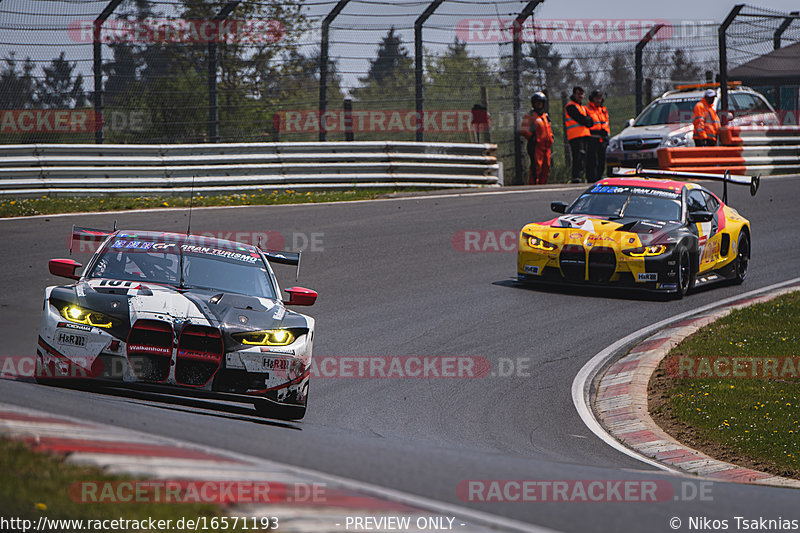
(127,301)
(621,233)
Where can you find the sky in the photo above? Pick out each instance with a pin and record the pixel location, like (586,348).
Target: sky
(358,30)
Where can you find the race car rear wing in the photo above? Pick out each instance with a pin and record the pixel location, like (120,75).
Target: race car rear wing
(284,258)
(752,181)
(87,235)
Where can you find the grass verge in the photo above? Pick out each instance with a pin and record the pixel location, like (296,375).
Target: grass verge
(35,485)
(732,389)
(13,207)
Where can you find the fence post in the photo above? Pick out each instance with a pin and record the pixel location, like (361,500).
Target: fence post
(323,67)
(418,66)
(213,108)
(638,64)
(567,151)
(348,120)
(723,61)
(485,103)
(776,44)
(516,61)
(97,56)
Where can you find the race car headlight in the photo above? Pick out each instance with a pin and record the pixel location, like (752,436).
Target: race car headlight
(646,251)
(266,337)
(79,315)
(540,244)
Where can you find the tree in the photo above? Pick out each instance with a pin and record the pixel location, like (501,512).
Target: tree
(455,77)
(16,86)
(58,89)
(620,75)
(683,68)
(390,79)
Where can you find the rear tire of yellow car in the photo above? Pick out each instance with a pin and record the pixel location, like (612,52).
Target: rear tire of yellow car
(742,258)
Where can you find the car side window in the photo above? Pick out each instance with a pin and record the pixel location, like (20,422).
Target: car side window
(695,201)
(712,204)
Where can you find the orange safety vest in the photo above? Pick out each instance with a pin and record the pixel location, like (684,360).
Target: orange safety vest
(599,115)
(543,129)
(574,129)
(706,121)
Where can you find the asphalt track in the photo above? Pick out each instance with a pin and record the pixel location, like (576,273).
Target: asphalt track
(391,283)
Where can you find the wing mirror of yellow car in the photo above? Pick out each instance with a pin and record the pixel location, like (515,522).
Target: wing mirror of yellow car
(700,216)
(558,207)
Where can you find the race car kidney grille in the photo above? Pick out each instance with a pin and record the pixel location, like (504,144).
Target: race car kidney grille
(200,350)
(149,349)
(602,264)
(573,262)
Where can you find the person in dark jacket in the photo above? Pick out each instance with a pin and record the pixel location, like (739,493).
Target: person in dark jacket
(577,123)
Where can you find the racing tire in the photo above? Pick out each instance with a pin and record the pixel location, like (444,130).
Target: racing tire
(686,273)
(742,259)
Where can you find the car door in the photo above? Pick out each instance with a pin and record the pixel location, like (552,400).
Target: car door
(706,231)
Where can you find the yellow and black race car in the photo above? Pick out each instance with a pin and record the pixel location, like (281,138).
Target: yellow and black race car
(643,232)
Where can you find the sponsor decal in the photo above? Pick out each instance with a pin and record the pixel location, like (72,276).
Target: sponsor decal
(69,325)
(647,276)
(532,269)
(270,363)
(70,339)
(227,254)
(157,350)
(642,191)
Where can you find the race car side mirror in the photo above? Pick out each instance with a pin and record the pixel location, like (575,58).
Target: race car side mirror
(558,207)
(64,268)
(700,216)
(301,296)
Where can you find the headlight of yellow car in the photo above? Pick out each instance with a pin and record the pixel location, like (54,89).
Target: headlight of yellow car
(79,315)
(540,244)
(266,337)
(646,251)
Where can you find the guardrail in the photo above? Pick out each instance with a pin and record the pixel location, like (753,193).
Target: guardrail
(100,170)
(758,150)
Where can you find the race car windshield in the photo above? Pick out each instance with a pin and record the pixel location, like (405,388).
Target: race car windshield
(633,202)
(204,267)
(668,112)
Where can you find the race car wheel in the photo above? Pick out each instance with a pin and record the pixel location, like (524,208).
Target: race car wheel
(742,258)
(686,274)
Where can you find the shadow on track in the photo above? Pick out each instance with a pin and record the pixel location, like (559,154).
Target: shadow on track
(176,403)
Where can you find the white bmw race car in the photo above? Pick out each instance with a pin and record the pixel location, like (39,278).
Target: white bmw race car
(187,314)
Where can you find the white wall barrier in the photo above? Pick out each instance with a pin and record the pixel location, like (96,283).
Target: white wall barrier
(161,169)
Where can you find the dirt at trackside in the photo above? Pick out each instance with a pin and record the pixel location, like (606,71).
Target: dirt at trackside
(658,393)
